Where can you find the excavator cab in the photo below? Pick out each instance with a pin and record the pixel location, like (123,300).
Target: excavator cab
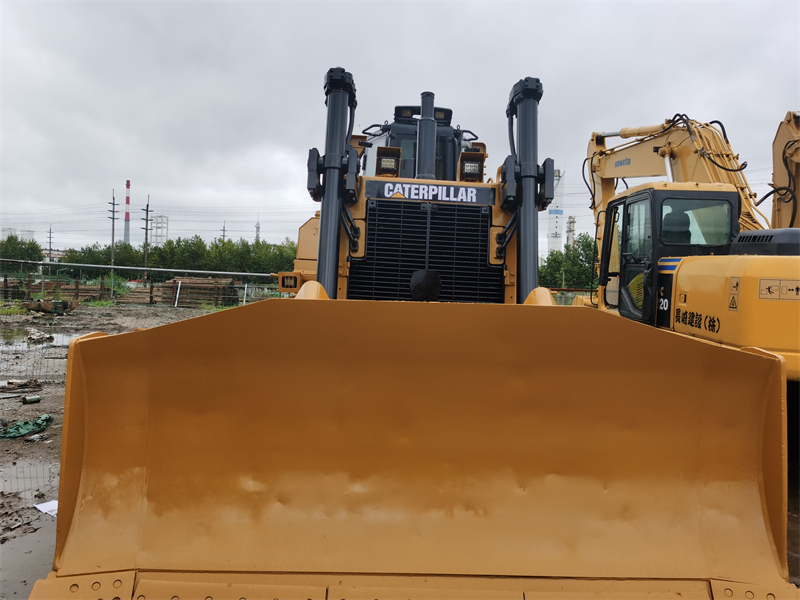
(652,224)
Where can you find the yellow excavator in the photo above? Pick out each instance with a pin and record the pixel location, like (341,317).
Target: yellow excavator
(691,253)
(420,421)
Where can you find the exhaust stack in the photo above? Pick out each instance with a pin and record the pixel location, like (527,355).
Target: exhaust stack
(426,139)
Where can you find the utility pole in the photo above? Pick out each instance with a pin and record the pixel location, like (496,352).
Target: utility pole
(49,249)
(223,231)
(146,228)
(113,218)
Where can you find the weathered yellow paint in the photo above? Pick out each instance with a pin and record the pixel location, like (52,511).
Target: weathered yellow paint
(352,446)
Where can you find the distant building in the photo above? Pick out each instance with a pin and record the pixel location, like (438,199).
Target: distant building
(556,213)
(53,256)
(159,229)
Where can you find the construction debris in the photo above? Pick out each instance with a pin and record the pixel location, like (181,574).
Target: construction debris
(38,337)
(23,428)
(50,508)
(59,307)
(20,385)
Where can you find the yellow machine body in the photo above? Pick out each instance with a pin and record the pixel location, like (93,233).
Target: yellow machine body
(308,241)
(361,449)
(761,307)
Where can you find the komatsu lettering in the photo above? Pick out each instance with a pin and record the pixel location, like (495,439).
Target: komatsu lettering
(623,162)
(421,191)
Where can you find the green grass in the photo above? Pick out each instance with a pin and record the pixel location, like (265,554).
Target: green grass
(12,310)
(98,303)
(211,308)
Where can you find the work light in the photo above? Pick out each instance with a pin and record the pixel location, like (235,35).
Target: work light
(472,168)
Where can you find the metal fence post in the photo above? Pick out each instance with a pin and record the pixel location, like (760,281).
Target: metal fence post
(177,294)
(245,295)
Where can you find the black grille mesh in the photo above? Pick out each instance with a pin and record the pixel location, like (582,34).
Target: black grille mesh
(457,245)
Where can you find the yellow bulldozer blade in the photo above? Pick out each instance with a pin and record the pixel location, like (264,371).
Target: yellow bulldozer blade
(345,449)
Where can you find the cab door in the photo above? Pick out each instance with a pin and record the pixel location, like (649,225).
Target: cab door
(636,260)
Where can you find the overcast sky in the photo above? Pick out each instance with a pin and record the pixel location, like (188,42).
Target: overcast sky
(210,108)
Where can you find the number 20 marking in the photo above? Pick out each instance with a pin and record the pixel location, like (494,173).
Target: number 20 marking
(663,304)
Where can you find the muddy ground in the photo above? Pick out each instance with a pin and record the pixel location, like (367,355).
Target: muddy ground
(29,469)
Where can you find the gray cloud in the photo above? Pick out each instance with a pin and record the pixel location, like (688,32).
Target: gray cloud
(211,107)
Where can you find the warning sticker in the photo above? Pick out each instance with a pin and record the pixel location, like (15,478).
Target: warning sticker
(733,290)
(779,289)
(790,289)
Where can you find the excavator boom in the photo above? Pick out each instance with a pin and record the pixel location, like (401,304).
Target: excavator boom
(681,149)
(786,172)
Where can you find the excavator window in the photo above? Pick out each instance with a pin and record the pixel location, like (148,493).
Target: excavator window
(637,248)
(695,222)
(614,251)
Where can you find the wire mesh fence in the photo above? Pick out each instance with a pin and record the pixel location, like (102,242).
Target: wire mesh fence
(28,478)
(40,313)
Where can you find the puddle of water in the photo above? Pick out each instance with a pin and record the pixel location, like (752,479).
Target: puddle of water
(12,336)
(27,558)
(15,340)
(26,477)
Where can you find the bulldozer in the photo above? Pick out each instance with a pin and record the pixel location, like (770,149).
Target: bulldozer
(420,420)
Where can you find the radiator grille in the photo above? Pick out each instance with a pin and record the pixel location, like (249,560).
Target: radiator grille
(457,242)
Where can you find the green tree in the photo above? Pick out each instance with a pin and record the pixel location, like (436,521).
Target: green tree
(17,249)
(126,255)
(190,253)
(573,267)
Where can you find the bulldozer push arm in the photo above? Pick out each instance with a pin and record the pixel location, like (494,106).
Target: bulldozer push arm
(326,447)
